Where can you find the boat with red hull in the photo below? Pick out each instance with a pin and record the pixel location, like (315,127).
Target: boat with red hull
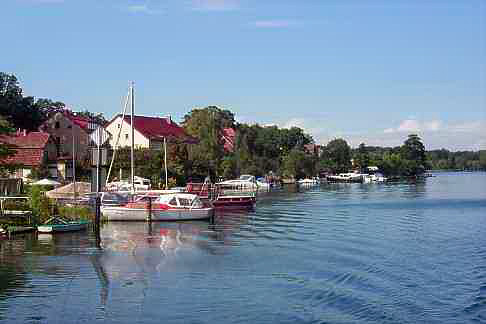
(230,197)
(224,195)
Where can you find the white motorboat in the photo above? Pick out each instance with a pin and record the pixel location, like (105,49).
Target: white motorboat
(346,177)
(244,183)
(375,177)
(140,184)
(169,207)
(308,181)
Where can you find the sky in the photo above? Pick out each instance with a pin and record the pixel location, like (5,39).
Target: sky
(364,70)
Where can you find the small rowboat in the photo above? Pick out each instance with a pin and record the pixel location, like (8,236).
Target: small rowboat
(56,225)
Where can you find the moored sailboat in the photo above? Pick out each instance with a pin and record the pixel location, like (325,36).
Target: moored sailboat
(169,207)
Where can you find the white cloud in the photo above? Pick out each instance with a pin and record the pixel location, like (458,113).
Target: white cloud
(296,122)
(143,9)
(433,125)
(435,134)
(415,126)
(469,126)
(409,125)
(214,5)
(273,23)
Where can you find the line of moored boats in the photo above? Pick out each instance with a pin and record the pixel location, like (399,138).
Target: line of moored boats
(201,200)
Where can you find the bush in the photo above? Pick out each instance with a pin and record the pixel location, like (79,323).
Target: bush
(76,212)
(40,205)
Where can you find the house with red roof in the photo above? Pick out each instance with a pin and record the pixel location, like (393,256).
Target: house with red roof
(32,150)
(149,132)
(69,130)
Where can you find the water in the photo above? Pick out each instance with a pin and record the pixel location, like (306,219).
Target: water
(340,253)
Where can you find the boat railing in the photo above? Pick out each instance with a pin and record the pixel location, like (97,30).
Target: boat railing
(233,191)
(203,190)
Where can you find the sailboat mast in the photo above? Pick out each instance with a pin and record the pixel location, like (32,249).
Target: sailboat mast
(133,140)
(165,163)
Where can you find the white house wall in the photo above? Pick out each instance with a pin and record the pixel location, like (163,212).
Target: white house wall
(140,141)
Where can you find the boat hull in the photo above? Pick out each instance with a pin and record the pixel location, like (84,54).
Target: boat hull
(62,228)
(234,203)
(354,179)
(143,214)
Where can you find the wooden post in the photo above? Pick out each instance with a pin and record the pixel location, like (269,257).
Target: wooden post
(97,220)
(211,219)
(149,207)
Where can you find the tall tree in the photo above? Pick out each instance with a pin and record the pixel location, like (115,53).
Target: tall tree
(5,150)
(338,154)
(48,108)
(97,118)
(18,110)
(362,158)
(207,125)
(23,112)
(413,151)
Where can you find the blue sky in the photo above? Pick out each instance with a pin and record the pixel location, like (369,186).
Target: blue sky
(367,71)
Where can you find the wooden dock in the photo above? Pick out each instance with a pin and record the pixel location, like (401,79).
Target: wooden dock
(23,218)
(11,230)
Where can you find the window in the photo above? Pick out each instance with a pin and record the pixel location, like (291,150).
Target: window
(185,202)
(126,136)
(173,201)
(118,125)
(57,125)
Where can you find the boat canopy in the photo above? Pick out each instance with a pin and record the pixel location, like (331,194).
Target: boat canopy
(180,200)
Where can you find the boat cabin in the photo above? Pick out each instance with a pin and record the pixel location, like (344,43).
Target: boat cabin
(179,200)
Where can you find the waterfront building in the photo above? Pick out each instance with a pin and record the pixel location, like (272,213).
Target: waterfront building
(70,131)
(32,150)
(148,132)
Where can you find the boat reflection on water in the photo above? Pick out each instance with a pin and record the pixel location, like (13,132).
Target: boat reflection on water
(130,248)
(151,247)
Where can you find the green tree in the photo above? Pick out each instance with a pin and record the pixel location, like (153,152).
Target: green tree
(18,110)
(207,125)
(362,158)
(5,149)
(413,151)
(97,118)
(48,108)
(337,155)
(23,112)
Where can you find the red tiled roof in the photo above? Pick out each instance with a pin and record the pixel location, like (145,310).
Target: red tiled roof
(229,139)
(27,157)
(158,128)
(30,140)
(29,148)
(82,122)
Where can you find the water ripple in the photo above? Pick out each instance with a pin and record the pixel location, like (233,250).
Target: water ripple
(338,253)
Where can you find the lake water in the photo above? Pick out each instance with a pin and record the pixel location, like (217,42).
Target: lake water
(338,253)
